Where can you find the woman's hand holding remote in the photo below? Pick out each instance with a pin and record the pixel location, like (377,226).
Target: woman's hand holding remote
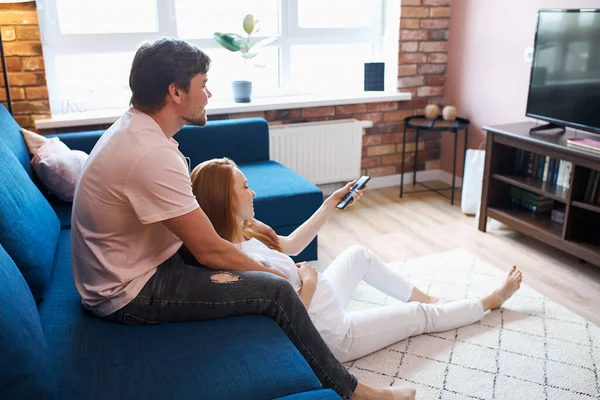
(339,195)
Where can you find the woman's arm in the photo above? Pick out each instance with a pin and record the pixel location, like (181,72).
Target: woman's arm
(307,292)
(305,233)
(309,277)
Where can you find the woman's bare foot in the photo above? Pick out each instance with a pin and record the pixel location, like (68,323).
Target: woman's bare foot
(504,292)
(422,297)
(437,300)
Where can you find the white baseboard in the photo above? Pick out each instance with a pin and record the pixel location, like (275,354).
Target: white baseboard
(446,177)
(379,182)
(422,176)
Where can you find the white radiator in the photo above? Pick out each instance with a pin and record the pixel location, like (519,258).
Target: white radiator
(322,152)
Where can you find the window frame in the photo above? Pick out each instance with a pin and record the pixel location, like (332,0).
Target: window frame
(384,33)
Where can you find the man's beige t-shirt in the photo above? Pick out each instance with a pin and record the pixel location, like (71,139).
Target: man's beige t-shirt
(135,178)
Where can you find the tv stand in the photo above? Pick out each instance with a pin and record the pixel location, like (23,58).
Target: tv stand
(547,127)
(579,234)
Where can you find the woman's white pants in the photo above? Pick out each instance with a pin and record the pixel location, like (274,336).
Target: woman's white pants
(373,329)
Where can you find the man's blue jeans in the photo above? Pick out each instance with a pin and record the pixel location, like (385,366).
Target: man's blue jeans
(181,291)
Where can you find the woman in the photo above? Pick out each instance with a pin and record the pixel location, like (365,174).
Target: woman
(350,335)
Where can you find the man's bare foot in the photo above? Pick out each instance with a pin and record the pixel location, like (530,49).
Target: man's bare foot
(391,393)
(403,393)
(504,292)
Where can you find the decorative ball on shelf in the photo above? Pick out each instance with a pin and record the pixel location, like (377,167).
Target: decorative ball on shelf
(432,111)
(449,113)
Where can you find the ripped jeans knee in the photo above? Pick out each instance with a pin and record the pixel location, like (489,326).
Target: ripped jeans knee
(224,277)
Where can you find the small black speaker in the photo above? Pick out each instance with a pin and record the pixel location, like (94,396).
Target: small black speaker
(374,73)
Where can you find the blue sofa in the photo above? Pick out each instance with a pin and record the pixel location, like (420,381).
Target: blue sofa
(50,349)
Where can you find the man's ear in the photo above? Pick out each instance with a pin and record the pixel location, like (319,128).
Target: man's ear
(175,93)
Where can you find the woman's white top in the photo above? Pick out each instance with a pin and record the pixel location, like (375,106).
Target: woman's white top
(325,310)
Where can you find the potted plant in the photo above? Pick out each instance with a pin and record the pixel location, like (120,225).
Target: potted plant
(242,89)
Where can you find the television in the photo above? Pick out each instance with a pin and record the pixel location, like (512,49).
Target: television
(564,87)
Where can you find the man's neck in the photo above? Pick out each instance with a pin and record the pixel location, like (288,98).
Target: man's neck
(169,122)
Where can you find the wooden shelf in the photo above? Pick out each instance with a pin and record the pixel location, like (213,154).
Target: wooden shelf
(587,250)
(578,235)
(554,192)
(586,206)
(527,221)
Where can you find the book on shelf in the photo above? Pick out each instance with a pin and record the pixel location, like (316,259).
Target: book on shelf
(543,168)
(558,215)
(530,201)
(529,169)
(566,183)
(546,167)
(591,195)
(585,144)
(561,173)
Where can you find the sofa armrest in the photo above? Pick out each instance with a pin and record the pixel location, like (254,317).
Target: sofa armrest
(84,141)
(243,140)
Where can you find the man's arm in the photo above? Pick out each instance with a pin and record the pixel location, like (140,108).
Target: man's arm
(209,249)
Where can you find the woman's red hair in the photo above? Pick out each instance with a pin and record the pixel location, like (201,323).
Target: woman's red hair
(212,184)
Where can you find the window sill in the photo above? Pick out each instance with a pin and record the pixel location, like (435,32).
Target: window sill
(229,107)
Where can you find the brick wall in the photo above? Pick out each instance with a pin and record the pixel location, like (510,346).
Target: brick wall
(421,68)
(24,61)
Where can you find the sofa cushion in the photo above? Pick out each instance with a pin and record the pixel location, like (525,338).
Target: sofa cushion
(62,209)
(25,371)
(29,227)
(242,140)
(245,357)
(282,196)
(56,166)
(10,135)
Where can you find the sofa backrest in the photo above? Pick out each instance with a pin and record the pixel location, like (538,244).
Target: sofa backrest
(29,228)
(25,366)
(83,141)
(245,141)
(11,136)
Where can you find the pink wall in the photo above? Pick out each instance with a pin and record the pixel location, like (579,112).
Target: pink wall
(488,78)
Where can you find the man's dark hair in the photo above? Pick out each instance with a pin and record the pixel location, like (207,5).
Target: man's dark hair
(157,65)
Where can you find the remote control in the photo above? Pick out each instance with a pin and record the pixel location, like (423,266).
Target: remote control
(357,186)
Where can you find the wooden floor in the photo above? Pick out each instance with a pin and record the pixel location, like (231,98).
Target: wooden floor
(425,223)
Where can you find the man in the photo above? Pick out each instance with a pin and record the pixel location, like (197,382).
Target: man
(134,209)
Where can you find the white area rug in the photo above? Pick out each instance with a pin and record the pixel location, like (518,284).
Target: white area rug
(530,349)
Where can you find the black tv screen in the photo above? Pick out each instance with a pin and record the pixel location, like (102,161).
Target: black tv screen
(564,88)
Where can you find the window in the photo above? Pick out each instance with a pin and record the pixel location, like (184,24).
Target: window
(321,48)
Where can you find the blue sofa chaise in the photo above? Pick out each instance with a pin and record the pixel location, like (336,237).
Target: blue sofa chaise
(50,349)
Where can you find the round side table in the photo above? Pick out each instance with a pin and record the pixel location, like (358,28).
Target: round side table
(421,124)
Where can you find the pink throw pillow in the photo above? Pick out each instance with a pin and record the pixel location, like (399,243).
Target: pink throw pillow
(56,166)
